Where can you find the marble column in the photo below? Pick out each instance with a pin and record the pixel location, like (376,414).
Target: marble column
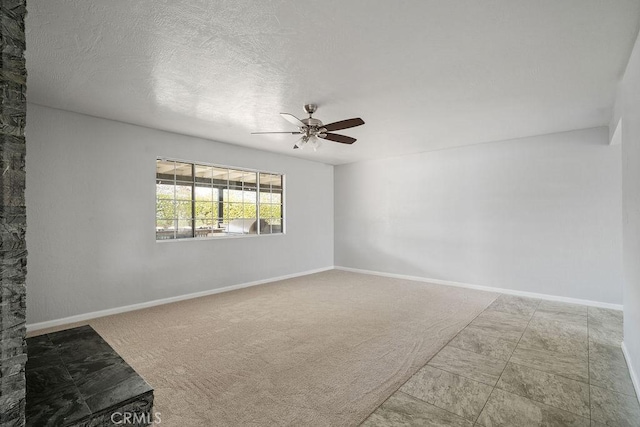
(13,253)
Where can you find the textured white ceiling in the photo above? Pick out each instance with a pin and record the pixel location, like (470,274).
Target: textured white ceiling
(423,74)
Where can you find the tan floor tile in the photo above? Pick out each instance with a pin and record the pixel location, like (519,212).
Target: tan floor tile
(471,365)
(605,326)
(606,315)
(614,409)
(451,392)
(565,318)
(608,369)
(565,365)
(560,322)
(479,341)
(507,409)
(605,333)
(502,325)
(552,390)
(557,336)
(404,410)
(561,307)
(512,304)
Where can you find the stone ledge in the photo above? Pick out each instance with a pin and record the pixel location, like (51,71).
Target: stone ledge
(74,378)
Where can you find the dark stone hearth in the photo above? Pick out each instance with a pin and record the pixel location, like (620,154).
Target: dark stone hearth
(13,254)
(74,378)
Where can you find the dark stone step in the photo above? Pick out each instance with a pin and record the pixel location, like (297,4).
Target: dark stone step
(74,378)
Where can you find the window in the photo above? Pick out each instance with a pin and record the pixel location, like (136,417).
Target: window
(197,201)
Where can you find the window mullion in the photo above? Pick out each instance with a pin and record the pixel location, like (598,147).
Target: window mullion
(193,200)
(175,203)
(172,203)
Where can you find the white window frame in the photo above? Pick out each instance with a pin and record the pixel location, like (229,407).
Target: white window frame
(223,236)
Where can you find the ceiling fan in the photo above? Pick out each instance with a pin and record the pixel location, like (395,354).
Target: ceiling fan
(312,130)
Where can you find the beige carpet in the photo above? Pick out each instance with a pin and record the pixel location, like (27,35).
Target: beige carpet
(320,350)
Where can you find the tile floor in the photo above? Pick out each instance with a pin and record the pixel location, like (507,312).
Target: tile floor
(522,362)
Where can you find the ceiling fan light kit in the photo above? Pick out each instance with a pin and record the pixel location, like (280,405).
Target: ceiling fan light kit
(312,141)
(313,130)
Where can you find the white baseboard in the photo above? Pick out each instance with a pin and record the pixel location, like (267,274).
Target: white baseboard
(486,288)
(108,312)
(634,377)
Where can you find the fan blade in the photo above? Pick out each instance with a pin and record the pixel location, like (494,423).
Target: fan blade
(343,139)
(344,124)
(292,119)
(290,133)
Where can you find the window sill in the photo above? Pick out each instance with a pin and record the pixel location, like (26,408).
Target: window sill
(221,237)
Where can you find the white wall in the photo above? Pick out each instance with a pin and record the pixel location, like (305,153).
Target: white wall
(91,212)
(628,108)
(538,214)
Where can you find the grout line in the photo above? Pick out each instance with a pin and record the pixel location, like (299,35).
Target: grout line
(561,376)
(485,404)
(480,354)
(519,339)
(429,403)
(549,373)
(612,390)
(475,422)
(508,360)
(454,373)
(505,366)
(449,342)
(465,327)
(544,403)
(429,360)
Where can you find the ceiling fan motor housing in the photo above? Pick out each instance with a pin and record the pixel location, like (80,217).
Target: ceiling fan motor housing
(313,126)
(311,122)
